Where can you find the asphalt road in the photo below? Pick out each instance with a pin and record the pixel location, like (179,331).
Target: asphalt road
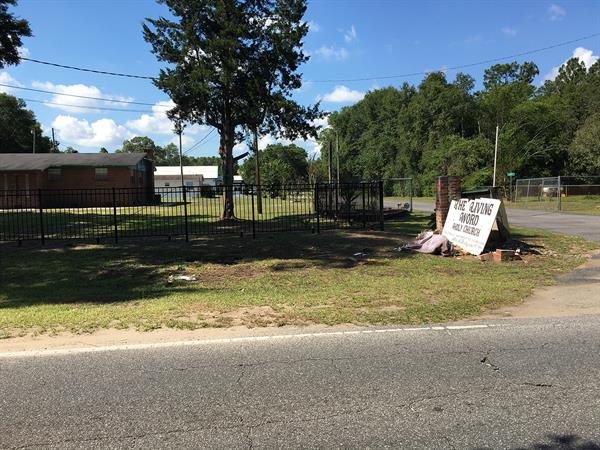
(519,384)
(584,225)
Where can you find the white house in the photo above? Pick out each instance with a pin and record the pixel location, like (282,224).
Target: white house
(170,176)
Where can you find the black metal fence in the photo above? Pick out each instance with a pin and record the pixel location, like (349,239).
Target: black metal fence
(187,211)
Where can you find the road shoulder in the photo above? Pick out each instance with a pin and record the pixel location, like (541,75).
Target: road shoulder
(576,293)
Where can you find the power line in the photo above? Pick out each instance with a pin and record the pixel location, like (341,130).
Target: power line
(199,142)
(83,69)
(99,108)
(83,96)
(347,80)
(462,66)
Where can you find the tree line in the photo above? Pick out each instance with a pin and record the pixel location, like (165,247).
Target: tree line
(234,65)
(442,127)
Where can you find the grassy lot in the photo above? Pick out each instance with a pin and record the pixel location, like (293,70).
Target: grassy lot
(588,204)
(276,279)
(295,211)
(168,218)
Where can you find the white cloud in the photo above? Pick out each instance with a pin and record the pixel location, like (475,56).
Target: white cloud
(5,78)
(314,27)
(101,133)
(342,94)
(23,52)
(584,55)
(350,35)
(556,12)
(508,31)
(157,122)
(331,53)
(80,105)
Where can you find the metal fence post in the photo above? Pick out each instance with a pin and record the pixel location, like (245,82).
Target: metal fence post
(253,219)
(114,201)
(364,208)
(381,217)
(185,213)
(559,195)
(410,193)
(42,235)
(317,207)
(334,189)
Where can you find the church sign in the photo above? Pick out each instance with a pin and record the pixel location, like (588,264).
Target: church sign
(470,222)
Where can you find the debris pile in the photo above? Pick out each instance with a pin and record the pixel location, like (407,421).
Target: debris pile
(430,243)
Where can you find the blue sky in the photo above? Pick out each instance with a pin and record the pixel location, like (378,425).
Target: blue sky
(348,39)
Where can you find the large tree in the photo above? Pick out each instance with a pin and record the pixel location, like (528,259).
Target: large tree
(282,164)
(229,63)
(18,126)
(584,151)
(12,29)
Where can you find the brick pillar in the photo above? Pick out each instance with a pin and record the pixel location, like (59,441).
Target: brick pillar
(442,203)
(454,188)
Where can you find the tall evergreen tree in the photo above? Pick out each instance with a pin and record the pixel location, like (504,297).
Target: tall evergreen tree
(213,49)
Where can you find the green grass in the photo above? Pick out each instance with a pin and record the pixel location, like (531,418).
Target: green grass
(164,219)
(588,204)
(276,279)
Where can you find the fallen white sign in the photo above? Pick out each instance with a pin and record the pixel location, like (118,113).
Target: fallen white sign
(470,222)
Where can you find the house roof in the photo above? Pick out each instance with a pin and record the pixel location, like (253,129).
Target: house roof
(42,161)
(207,172)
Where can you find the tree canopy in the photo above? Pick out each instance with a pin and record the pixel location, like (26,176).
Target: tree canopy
(229,61)
(167,155)
(281,164)
(17,126)
(443,127)
(12,29)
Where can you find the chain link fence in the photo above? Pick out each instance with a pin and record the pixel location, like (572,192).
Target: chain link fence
(564,193)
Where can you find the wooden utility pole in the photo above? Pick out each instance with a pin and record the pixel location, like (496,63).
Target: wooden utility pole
(495,155)
(337,155)
(330,161)
(54,142)
(180,132)
(33,133)
(257,172)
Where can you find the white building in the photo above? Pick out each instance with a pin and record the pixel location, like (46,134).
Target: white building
(170,176)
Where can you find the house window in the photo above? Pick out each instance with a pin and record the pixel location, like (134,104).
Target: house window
(167,184)
(101,174)
(54,174)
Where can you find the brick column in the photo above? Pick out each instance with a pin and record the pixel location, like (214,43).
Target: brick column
(442,203)
(454,188)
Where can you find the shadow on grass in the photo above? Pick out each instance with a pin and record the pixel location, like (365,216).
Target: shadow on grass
(74,272)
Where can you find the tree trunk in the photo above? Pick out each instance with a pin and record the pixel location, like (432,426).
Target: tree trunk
(226,151)
(257,174)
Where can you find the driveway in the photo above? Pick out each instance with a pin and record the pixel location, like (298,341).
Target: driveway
(510,384)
